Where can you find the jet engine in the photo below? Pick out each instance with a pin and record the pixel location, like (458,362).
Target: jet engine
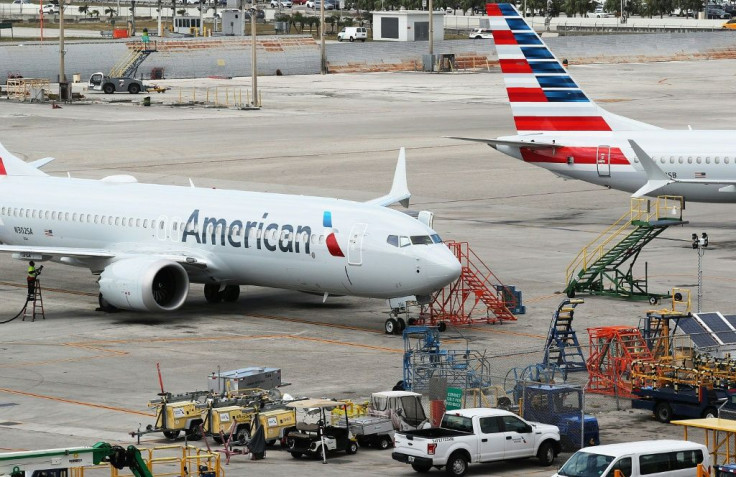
(144,284)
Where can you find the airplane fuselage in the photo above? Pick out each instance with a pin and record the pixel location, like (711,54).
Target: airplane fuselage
(606,158)
(312,244)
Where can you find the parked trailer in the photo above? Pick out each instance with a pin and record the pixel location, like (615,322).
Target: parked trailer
(667,402)
(372,431)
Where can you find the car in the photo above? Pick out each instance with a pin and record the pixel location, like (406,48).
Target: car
(310,4)
(49,8)
(599,13)
(23,2)
(299,2)
(281,3)
(717,13)
(329,5)
(481,33)
(730,25)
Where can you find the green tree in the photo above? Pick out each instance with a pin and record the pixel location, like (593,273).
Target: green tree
(298,19)
(84,10)
(331,20)
(111,12)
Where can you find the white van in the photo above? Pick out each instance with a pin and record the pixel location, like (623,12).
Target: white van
(352,34)
(663,458)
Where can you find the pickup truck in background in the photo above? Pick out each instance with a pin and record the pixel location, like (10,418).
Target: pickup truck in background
(476,435)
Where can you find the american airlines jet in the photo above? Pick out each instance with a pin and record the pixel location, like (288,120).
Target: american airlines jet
(562,130)
(147,242)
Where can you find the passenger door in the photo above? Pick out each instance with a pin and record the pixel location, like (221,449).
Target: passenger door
(518,436)
(492,439)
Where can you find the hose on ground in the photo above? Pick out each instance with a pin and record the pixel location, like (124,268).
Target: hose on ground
(16,316)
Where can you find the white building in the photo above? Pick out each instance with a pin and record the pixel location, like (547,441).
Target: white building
(407,25)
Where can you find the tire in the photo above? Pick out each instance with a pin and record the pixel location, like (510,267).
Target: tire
(653,300)
(362,441)
(546,453)
(663,412)
(402,325)
(212,293)
(194,433)
(363,40)
(339,39)
(271,443)
(384,443)
(242,434)
(217,439)
(709,412)
(352,39)
(421,468)
(171,435)
(352,448)
(134,88)
(109,88)
(390,326)
(442,327)
(296,455)
(230,294)
(571,293)
(412,321)
(457,465)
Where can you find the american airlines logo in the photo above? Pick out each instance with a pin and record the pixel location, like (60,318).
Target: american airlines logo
(259,234)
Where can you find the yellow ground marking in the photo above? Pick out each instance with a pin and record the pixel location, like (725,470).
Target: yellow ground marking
(73,401)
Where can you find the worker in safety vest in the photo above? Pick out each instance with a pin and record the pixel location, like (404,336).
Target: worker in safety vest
(33,273)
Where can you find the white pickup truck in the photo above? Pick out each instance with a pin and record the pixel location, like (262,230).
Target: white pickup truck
(476,435)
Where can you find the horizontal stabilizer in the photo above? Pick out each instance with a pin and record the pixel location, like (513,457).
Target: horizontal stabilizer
(39,163)
(399,189)
(656,178)
(532,144)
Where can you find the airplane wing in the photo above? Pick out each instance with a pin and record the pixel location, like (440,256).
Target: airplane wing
(532,144)
(399,189)
(656,178)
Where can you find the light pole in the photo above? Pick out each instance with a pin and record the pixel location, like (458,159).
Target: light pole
(700,244)
(254,66)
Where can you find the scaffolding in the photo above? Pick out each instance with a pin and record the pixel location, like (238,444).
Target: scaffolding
(605,265)
(477,296)
(613,349)
(27,89)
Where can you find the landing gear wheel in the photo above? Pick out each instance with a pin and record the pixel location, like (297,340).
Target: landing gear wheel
(390,326)
(352,448)
(104,305)
(230,294)
(212,293)
(653,300)
(171,435)
(663,412)
(442,327)
(402,324)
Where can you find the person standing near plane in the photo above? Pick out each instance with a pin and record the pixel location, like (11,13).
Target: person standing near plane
(32,275)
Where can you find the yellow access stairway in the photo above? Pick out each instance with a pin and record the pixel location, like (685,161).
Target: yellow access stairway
(605,265)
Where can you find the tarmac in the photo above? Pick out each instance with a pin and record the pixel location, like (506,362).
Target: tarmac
(82,376)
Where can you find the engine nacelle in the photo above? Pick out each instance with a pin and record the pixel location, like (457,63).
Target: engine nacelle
(144,284)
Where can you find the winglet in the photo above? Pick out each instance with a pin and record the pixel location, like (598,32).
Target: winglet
(656,178)
(399,188)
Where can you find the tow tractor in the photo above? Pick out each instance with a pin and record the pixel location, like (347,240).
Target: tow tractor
(57,462)
(312,435)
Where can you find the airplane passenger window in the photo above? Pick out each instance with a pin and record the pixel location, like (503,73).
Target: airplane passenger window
(28,213)
(661,160)
(421,240)
(130,222)
(53,215)
(103,221)
(74,216)
(404,242)
(679,160)
(698,160)
(689,160)
(725,160)
(393,240)
(3,210)
(321,239)
(672,160)
(33,214)
(66,216)
(145,223)
(315,238)
(707,160)
(20,214)
(161,225)
(117,220)
(718,160)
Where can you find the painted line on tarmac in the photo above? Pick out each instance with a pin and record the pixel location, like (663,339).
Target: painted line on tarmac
(80,403)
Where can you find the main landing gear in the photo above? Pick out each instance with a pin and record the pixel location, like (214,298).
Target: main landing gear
(215,293)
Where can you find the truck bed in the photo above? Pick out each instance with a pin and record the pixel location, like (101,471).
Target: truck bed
(434,433)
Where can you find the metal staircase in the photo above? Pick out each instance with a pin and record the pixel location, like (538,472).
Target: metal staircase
(476,296)
(563,348)
(127,67)
(605,266)
(613,349)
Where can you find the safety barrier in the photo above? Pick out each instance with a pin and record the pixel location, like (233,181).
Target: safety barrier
(218,96)
(185,460)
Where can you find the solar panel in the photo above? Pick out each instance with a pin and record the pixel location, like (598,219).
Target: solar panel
(731,319)
(697,333)
(714,322)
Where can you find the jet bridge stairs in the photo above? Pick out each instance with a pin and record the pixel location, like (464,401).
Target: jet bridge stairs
(605,266)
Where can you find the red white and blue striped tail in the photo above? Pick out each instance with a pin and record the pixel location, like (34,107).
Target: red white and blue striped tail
(543,96)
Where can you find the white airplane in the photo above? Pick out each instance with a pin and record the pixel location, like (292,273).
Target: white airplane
(562,130)
(147,242)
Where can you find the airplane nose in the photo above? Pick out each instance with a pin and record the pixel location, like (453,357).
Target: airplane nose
(443,269)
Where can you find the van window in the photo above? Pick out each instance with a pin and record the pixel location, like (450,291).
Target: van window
(669,461)
(585,464)
(622,465)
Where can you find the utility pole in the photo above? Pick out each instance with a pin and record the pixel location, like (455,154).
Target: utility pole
(700,244)
(254,66)
(62,75)
(160,27)
(323,54)
(431,29)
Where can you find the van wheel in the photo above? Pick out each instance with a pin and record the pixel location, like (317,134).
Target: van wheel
(456,465)
(352,39)
(363,40)
(339,39)
(663,412)
(546,454)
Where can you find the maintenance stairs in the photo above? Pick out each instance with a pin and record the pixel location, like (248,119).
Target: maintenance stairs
(613,349)
(563,348)
(477,296)
(127,67)
(601,266)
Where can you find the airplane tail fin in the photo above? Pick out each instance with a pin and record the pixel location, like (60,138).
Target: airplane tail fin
(542,94)
(11,165)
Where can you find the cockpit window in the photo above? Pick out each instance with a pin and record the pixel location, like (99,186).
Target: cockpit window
(393,240)
(421,240)
(404,241)
(436,238)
